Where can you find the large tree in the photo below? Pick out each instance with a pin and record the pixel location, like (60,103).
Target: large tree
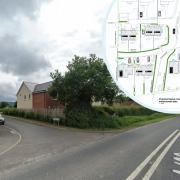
(87,80)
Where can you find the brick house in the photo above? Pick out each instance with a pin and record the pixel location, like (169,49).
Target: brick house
(41,98)
(32,96)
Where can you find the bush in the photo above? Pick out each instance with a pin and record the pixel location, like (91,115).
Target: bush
(107,117)
(101,117)
(27,115)
(78,117)
(121,111)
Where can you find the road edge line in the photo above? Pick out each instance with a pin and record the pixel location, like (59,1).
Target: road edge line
(15,144)
(160,158)
(134,174)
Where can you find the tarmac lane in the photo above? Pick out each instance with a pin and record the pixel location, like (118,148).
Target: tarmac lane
(9,139)
(24,144)
(149,152)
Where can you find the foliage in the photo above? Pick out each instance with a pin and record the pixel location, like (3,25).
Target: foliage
(122,111)
(24,114)
(96,117)
(121,98)
(15,104)
(4,104)
(87,80)
(77,117)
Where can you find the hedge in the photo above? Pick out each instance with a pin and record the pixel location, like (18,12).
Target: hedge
(99,117)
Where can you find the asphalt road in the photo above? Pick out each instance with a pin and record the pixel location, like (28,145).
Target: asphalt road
(50,154)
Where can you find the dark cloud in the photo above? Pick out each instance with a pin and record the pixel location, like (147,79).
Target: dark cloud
(22,49)
(20,59)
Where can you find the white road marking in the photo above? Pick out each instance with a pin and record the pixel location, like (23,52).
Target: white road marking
(176,171)
(177,154)
(15,144)
(26,163)
(12,132)
(160,158)
(134,174)
(176,158)
(177,163)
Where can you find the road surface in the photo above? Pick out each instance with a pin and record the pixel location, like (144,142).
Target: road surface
(150,152)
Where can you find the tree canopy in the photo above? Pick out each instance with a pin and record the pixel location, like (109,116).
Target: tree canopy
(87,80)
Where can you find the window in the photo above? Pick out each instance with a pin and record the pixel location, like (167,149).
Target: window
(29,96)
(137,60)
(159,13)
(24,97)
(121,73)
(141,14)
(129,61)
(171,70)
(174,31)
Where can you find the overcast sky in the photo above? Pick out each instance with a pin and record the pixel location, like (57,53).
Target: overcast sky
(39,36)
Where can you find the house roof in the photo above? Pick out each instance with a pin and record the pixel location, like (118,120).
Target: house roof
(42,87)
(29,85)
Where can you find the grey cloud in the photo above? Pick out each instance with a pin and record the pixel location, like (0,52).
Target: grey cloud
(19,59)
(10,8)
(7,92)
(93,45)
(66,53)
(26,61)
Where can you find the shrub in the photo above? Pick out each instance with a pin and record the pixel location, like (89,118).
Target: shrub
(78,117)
(101,117)
(122,111)
(24,114)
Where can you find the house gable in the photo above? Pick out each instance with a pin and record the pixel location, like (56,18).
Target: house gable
(30,86)
(24,96)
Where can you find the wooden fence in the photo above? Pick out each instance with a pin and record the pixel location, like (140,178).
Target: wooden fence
(55,112)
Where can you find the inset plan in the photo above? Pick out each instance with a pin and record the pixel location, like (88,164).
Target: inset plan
(143,50)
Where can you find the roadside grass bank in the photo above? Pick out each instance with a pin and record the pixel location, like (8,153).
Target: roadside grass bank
(98,118)
(93,130)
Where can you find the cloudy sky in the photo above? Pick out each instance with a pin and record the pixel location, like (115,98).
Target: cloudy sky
(39,36)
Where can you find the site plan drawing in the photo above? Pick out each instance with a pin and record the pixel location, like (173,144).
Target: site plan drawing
(143,51)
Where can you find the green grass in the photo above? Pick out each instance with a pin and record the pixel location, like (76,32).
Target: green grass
(136,121)
(124,110)
(127,116)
